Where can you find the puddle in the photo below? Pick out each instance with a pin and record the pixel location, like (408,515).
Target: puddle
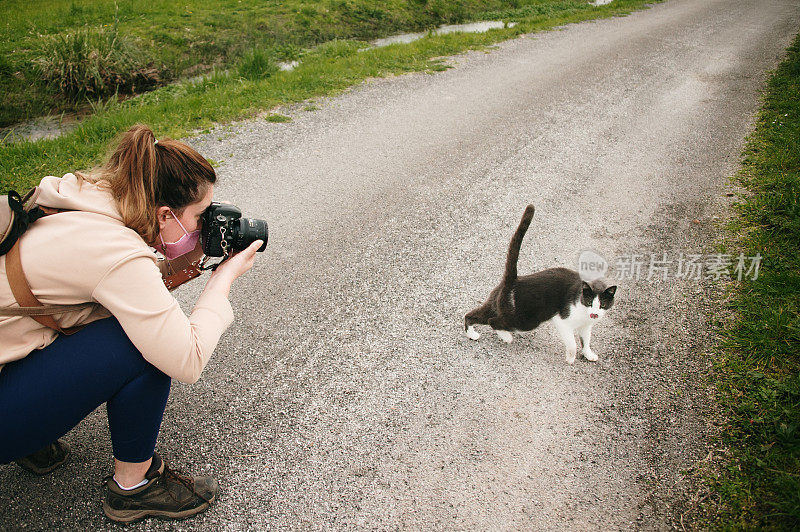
(288,66)
(50,127)
(473,27)
(47,127)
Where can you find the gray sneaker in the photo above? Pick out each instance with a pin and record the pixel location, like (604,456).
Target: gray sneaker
(168,493)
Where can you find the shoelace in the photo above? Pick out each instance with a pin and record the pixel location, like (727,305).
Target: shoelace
(183,479)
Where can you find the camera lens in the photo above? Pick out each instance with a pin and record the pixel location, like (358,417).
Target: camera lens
(250,230)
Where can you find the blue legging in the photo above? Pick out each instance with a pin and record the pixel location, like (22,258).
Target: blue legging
(45,394)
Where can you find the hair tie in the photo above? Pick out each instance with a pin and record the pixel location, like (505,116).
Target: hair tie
(156,142)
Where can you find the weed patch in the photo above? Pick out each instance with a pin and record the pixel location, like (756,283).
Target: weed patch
(93,63)
(258,64)
(275,117)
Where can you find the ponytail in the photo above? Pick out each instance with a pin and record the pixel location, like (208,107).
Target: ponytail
(143,175)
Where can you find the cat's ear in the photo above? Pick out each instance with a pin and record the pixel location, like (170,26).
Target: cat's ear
(586,286)
(611,290)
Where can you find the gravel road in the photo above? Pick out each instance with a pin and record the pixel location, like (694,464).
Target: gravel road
(346,395)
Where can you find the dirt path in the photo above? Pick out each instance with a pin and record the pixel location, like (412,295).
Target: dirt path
(346,396)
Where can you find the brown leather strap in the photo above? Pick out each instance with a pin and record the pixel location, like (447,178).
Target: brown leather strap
(46,310)
(22,290)
(175,278)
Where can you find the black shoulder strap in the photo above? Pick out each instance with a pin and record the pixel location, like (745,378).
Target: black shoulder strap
(21,219)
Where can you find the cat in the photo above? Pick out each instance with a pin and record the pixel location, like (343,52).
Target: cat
(558,295)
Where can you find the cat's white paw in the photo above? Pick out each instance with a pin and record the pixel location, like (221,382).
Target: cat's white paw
(570,357)
(472,334)
(505,336)
(590,355)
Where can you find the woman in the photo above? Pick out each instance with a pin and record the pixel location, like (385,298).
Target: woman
(150,194)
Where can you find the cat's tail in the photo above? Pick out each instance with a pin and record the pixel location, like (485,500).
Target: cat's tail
(513,248)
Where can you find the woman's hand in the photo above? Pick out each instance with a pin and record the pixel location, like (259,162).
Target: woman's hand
(232,268)
(239,262)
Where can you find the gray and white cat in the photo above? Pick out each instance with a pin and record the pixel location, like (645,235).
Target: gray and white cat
(558,295)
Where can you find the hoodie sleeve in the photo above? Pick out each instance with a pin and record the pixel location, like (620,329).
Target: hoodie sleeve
(180,346)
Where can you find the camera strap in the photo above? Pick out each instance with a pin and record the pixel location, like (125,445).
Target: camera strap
(223,243)
(204,266)
(191,271)
(28,303)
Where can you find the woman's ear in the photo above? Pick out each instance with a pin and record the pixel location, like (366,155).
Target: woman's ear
(162,215)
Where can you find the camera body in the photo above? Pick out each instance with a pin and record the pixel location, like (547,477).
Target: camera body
(224,231)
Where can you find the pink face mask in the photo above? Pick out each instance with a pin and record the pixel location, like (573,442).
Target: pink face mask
(185,244)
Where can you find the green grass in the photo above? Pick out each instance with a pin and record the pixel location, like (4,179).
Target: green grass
(184,39)
(278,118)
(258,64)
(758,481)
(233,93)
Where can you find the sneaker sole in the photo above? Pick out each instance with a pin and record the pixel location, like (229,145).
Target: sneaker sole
(129,516)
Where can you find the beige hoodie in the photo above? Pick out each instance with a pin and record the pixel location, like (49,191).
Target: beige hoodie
(88,255)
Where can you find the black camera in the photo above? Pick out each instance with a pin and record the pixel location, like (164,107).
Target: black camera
(224,231)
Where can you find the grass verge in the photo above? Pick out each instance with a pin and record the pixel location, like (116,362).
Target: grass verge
(758,373)
(126,46)
(179,109)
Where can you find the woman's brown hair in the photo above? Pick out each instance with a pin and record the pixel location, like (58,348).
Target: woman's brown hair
(143,174)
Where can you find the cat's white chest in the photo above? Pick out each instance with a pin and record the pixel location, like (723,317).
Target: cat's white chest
(581,319)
